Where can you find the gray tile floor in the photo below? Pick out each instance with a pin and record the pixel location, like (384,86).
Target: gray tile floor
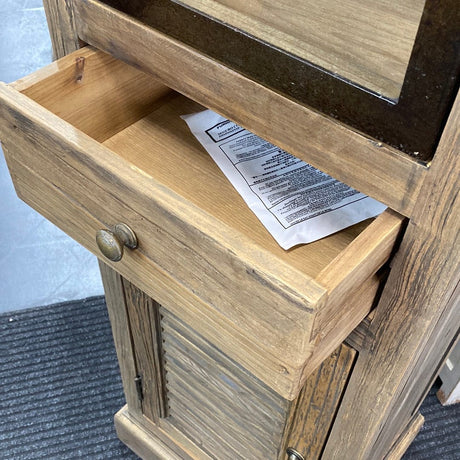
(39,264)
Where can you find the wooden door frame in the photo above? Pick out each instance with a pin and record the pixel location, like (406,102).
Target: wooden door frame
(426,95)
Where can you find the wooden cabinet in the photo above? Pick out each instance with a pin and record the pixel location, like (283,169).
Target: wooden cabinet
(228,346)
(218,408)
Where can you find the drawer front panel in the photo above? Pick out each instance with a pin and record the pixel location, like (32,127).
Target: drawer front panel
(81,225)
(80,196)
(94,177)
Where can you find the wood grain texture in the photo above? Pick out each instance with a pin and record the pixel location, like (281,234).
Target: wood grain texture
(121,331)
(396,185)
(214,401)
(315,408)
(203,243)
(228,411)
(416,321)
(94,92)
(80,225)
(61,24)
(405,440)
(368,43)
(144,322)
(361,334)
(33,188)
(364,255)
(210,251)
(156,145)
(348,316)
(43,197)
(148,445)
(314,87)
(370,167)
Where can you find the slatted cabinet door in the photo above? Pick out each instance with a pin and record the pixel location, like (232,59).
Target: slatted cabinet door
(186,386)
(232,415)
(213,400)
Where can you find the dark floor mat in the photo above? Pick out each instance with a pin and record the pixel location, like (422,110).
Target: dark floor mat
(439,438)
(60,384)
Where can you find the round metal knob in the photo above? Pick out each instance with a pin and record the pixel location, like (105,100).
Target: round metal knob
(112,242)
(293,454)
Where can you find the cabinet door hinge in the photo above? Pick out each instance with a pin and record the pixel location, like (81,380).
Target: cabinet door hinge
(138,382)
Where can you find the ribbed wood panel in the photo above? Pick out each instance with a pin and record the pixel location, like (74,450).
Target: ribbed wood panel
(215,402)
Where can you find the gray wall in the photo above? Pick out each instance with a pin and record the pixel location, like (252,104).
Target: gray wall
(39,264)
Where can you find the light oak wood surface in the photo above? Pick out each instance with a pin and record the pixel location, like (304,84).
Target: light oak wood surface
(348,156)
(368,42)
(97,94)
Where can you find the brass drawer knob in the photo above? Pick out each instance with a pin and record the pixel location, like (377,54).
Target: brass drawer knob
(111,243)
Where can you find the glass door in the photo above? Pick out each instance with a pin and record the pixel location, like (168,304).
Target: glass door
(387,68)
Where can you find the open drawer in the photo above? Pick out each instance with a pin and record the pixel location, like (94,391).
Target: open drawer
(92,142)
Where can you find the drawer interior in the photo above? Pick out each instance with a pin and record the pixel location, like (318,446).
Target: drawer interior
(161,145)
(138,118)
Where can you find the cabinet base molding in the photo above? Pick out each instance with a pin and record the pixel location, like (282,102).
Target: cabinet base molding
(138,439)
(152,442)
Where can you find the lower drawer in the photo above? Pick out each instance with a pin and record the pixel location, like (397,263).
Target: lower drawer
(92,142)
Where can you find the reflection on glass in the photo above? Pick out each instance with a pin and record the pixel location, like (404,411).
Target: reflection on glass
(366,41)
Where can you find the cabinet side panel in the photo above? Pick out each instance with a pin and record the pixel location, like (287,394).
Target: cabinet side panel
(416,321)
(61,26)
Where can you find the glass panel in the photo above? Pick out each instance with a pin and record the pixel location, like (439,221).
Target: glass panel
(367,42)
